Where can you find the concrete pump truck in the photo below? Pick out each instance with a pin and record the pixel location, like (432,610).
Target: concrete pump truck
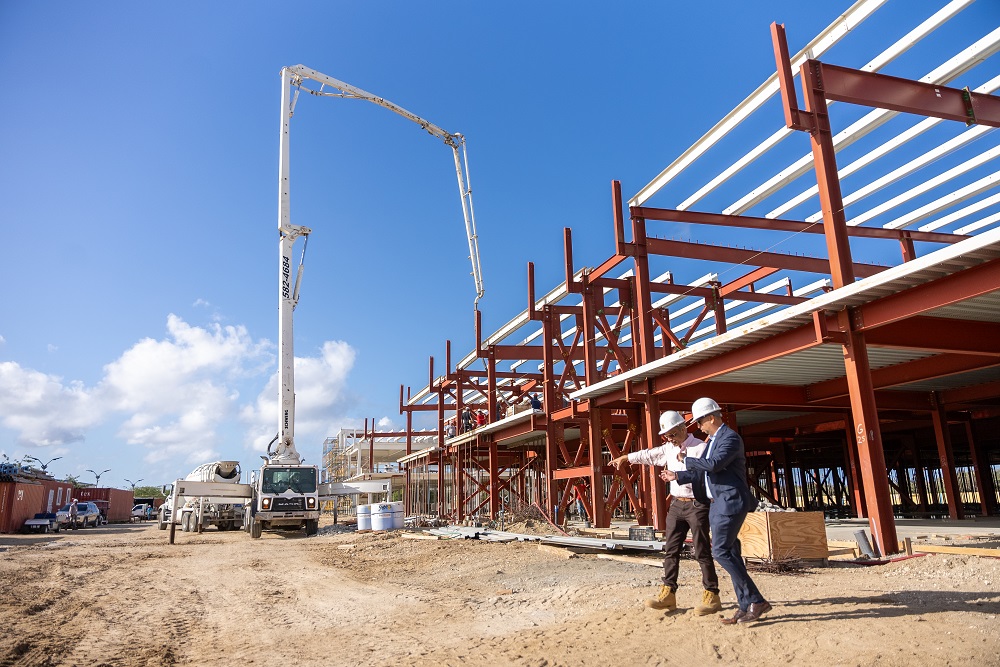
(286,493)
(285,490)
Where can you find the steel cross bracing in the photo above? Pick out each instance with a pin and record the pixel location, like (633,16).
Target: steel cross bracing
(615,344)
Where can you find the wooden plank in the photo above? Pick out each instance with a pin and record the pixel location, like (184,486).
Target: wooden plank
(843,551)
(841,544)
(634,560)
(962,551)
(556,551)
(420,536)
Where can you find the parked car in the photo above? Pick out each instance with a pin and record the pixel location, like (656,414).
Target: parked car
(142,512)
(87,514)
(43,522)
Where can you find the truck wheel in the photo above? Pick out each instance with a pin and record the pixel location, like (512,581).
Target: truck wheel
(312,527)
(256,529)
(161,521)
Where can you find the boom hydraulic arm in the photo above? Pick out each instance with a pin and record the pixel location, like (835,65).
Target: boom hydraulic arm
(296,78)
(299,74)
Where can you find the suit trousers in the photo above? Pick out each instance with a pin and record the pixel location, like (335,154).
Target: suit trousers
(681,517)
(726,549)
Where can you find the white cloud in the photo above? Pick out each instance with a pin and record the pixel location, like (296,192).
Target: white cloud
(319,399)
(178,397)
(42,409)
(52,348)
(180,389)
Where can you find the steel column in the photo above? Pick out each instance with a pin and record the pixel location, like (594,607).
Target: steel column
(942,435)
(871,456)
(984,481)
(790,500)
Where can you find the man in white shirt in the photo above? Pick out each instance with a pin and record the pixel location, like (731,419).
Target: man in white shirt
(686,513)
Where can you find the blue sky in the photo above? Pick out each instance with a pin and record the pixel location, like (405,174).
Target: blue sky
(138,181)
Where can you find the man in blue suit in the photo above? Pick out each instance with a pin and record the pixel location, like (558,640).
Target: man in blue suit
(723,468)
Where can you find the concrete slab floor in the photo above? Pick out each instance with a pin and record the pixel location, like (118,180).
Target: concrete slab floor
(844,529)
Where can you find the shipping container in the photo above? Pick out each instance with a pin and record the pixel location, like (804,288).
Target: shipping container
(115,504)
(57,494)
(19,501)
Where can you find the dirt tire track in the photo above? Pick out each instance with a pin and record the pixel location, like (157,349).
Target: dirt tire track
(121,596)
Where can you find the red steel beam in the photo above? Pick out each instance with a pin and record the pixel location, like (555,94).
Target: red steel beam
(782,225)
(938,334)
(890,92)
(918,370)
(951,289)
(979,392)
(570,473)
(753,257)
(746,280)
(708,292)
(776,346)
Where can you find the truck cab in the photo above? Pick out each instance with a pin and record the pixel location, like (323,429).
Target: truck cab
(285,496)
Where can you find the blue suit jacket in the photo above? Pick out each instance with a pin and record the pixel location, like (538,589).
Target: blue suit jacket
(727,473)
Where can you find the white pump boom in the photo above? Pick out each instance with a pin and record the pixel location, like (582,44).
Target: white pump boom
(295,77)
(299,73)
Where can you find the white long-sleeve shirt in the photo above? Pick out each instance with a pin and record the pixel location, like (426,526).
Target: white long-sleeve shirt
(665,456)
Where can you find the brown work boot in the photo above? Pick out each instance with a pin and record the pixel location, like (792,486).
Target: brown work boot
(710,604)
(664,600)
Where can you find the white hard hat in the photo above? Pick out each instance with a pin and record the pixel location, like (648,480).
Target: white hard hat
(702,407)
(670,420)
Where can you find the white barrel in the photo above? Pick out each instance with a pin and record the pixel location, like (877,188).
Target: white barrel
(382,516)
(397,514)
(364,517)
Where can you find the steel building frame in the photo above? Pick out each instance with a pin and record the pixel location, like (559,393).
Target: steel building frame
(846,389)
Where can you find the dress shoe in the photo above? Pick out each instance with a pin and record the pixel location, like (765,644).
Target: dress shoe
(756,610)
(735,619)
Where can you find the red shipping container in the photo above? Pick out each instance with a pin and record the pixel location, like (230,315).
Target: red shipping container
(19,502)
(115,504)
(57,494)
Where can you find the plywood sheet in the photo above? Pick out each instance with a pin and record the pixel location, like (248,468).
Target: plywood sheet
(778,535)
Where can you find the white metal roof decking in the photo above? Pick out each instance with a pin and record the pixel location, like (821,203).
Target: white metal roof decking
(962,255)
(817,364)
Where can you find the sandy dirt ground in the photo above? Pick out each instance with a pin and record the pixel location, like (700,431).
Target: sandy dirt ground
(120,595)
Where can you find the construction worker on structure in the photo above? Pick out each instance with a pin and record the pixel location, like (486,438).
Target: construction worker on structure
(688,511)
